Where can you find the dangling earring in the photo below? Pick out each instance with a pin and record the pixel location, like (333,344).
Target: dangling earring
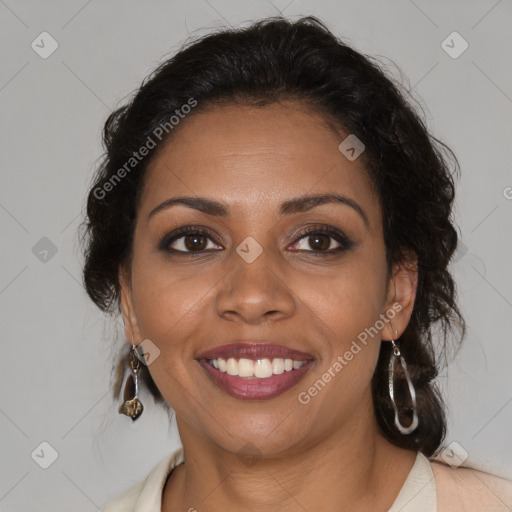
(397,355)
(132,406)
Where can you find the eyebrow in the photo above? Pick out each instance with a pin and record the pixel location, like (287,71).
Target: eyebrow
(288,207)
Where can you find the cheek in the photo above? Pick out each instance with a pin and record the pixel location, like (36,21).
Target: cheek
(346,308)
(346,311)
(169,312)
(167,298)
(347,301)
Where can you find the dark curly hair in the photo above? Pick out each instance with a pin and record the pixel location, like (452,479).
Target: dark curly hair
(270,61)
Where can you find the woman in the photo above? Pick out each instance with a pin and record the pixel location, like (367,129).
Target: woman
(273,222)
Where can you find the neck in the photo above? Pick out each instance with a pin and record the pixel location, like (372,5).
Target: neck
(354,469)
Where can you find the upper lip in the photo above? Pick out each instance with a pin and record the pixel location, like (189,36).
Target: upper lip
(254,350)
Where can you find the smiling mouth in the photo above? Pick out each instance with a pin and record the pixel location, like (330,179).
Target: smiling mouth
(254,369)
(255,379)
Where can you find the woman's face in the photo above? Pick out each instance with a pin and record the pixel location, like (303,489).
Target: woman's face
(255,276)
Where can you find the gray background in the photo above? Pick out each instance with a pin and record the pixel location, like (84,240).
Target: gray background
(57,350)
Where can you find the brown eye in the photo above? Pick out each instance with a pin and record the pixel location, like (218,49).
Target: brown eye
(194,242)
(188,240)
(319,241)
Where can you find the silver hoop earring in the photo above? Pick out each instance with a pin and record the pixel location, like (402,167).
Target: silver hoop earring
(131,405)
(414,424)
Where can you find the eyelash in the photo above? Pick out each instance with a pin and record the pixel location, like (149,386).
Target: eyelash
(338,236)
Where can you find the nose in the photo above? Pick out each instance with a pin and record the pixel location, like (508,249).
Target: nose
(254,293)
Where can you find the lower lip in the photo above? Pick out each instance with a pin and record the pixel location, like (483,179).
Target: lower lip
(254,388)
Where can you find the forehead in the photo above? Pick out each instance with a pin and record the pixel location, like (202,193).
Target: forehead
(255,158)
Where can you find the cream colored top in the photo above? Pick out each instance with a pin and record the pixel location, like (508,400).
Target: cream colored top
(431,486)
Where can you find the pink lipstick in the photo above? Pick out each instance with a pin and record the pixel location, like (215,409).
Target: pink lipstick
(255,370)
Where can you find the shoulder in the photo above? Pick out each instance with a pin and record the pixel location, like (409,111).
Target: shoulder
(146,496)
(467,489)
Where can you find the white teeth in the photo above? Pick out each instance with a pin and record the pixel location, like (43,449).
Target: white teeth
(232,366)
(278,366)
(245,368)
(261,368)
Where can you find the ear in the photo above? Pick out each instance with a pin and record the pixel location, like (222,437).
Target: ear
(131,329)
(400,296)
